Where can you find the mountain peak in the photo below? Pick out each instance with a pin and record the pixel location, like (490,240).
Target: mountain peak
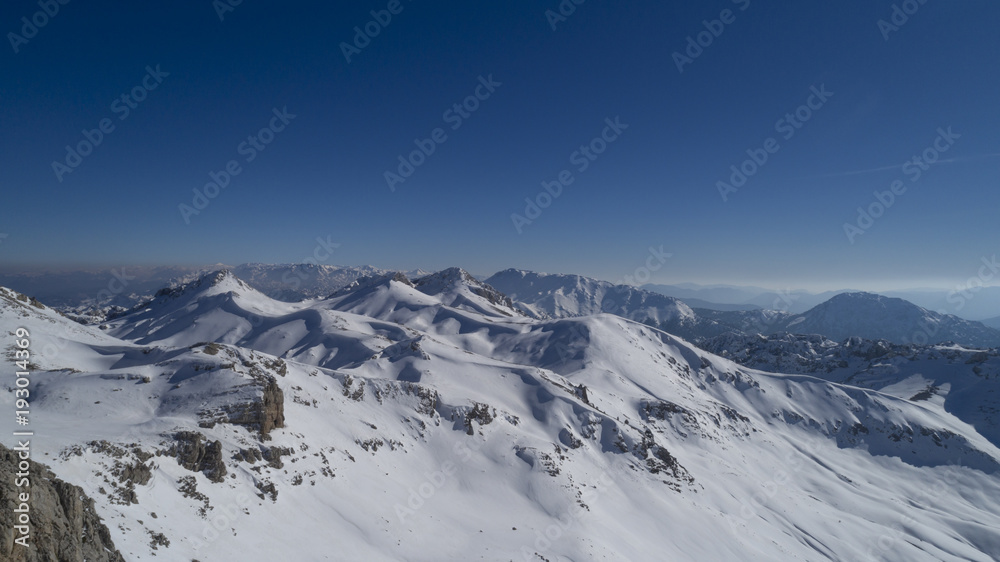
(873,316)
(860,301)
(222,280)
(455,286)
(864,296)
(450,276)
(373,281)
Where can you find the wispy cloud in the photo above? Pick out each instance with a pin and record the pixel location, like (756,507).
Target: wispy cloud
(960,159)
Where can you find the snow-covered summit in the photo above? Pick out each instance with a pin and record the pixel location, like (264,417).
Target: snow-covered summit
(218,305)
(458,288)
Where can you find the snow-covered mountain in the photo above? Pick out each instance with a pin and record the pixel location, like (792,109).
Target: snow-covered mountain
(426,420)
(965,382)
(93,295)
(564,296)
(295,282)
(864,315)
(872,316)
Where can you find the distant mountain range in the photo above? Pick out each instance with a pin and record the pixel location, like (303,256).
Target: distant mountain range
(845,315)
(93,294)
(975,304)
(98,295)
(376,422)
(562,296)
(718,296)
(699,303)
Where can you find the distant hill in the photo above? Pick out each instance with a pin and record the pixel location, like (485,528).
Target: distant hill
(871,316)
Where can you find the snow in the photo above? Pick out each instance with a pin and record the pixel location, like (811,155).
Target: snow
(385,380)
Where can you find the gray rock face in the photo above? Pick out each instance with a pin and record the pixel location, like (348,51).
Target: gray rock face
(64,524)
(264,414)
(198,455)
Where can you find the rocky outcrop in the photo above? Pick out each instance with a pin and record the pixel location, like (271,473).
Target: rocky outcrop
(64,523)
(196,454)
(264,414)
(481,414)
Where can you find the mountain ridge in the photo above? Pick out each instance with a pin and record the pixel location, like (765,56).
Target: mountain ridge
(402,414)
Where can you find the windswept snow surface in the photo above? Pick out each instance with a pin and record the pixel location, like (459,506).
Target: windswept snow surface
(427,420)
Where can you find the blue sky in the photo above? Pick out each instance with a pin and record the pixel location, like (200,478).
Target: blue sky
(656,184)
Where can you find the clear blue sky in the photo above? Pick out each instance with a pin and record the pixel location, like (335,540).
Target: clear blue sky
(655,184)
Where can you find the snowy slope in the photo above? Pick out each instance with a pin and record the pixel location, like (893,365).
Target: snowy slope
(412,429)
(458,289)
(964,382)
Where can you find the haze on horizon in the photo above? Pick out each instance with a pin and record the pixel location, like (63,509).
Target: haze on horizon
(636,278)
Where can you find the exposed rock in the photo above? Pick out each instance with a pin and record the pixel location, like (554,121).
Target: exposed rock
(659,460)
(273,455)
(197,455)
(64,523)
(480,413)
(138,473)
(264,414)
(267,489)
(248,455)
